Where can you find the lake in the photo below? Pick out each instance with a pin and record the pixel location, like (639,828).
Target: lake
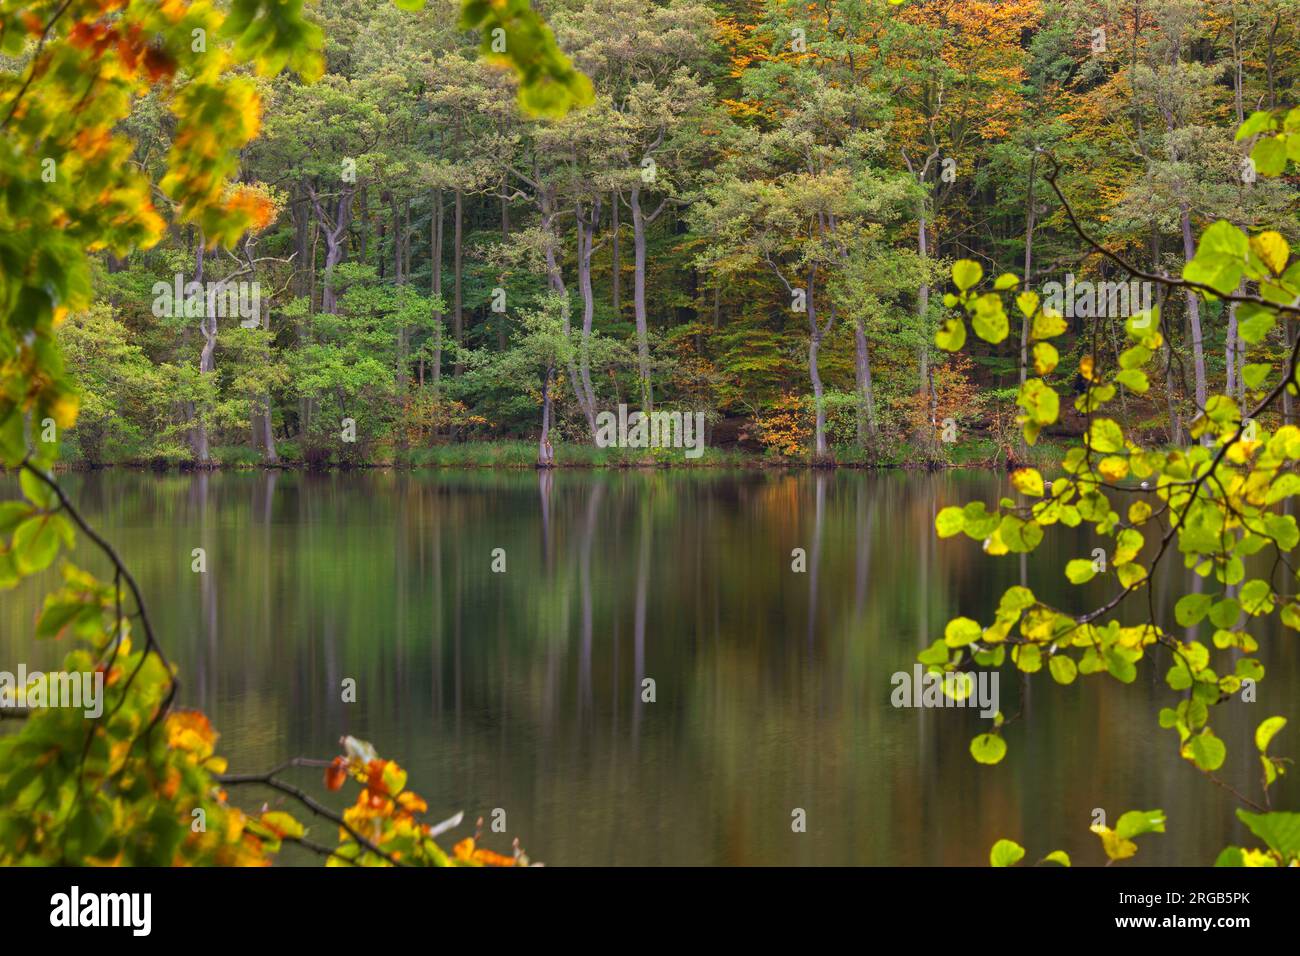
(523,690)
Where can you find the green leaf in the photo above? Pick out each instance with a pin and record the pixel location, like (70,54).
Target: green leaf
(1254,322)
(949,522)
(1059,857)
(1192,608)
(1225,613)
(1230,856)
(988,748)
(1207,751)
(1105,436)
(1279,831)
(1063,669)
(1266,731)
(1137,822)
(936,654)
(1134,379)
(1257,122)
(1016,599)
(1256,374)
(961,631)
(35,544)
(1006,853)
(36,491)
(1120,667)
(1269,155)
(12,514)
(1080,571)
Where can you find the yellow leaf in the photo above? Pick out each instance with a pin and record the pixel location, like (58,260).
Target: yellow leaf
(1272,250)
(1116,847)
(1045,357)
(1028,481)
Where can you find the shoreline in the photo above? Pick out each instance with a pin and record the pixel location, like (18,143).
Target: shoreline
(980,455)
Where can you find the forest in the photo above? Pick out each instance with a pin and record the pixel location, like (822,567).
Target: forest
(751,217)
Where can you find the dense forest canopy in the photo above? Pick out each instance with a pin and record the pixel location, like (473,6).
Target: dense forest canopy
(746,218)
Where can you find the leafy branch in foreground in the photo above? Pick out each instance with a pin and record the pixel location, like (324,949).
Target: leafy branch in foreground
(1117,843)
(1215,504)
(139,782)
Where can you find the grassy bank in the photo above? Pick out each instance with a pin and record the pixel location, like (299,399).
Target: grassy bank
(522,454)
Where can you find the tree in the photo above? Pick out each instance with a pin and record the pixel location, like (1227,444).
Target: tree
(1216,502)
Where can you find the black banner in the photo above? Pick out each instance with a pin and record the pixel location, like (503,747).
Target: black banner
(171,907)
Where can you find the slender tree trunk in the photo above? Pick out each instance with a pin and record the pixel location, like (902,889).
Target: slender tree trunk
(363,201)
(406,240)
(866,400)
(638,300)
(616,269)
(814,372)
(436,239)
(1288,412)
(545,454)
(457,315)
(1194,313)
(502,338)
(335,234)
(586,237)
(269,454)
(1027,278)
(208,328)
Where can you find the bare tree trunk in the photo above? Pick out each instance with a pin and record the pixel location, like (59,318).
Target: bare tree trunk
(866,399)
(545,454)
(502,338)
(208,328)
(1029,265)
(436,238)
(457,315)
(586,235)
(1194,313)
(638,300)
(814,372)
(616,270)
(335,234)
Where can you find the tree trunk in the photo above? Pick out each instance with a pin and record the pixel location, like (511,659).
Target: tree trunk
(1194,315)
(436,239)
(208,328)
(586,235)
(638,300)
(923,315)
(866,400)
(545,454)
(814,372)
(616,269)
(457,315)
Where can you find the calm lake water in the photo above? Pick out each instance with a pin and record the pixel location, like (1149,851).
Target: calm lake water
(522,690)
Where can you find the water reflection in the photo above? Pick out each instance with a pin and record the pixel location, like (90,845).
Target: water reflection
(524,690)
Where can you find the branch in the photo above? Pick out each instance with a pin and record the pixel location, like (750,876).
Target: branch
(268,779)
